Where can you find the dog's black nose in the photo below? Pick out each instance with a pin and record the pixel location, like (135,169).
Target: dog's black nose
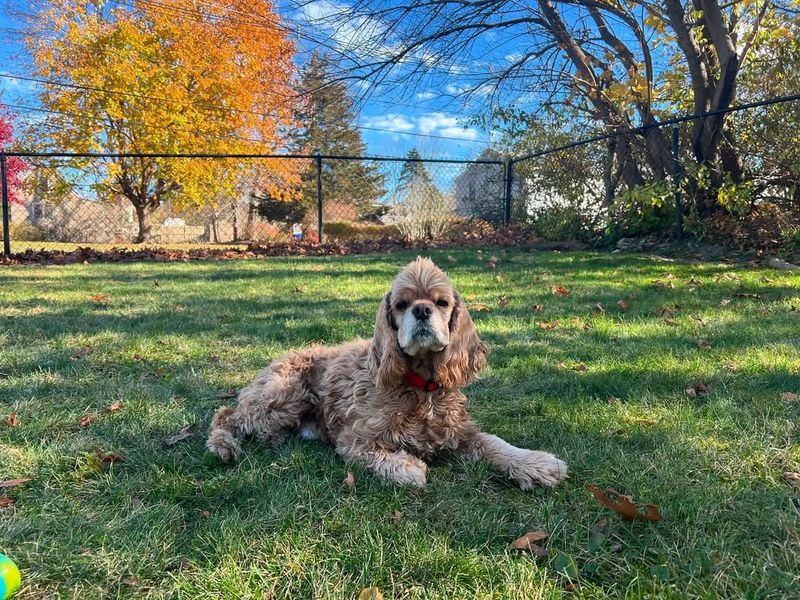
(422,311)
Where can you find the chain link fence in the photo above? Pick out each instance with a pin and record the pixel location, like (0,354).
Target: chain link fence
(63,200)
(615,184)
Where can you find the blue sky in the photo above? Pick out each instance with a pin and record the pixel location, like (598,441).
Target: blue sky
(429,115)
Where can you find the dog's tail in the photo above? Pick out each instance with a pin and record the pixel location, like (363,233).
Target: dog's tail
(224,436)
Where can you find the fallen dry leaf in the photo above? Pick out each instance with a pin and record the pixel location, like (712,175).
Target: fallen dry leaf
(206,514)
(670,322)
(598,308)
(131,581)
(12,420)
(612,400)
(180,308)
(625,506)
(623,304)
(703,344)
(502,301)
(114,407)
(108,457)
(228,394)
(479,307)
(699,389)
(350,480)
(526,543)
(13,483)
(792,479)
(559,290)
(538,308)
(664,284)
(725,302)
(789,396)
(451,258)
(370,593)
(183,434)
(580,368)
(6,501)
(86,420)
(81,352)
(549,324)
(492,264)
(396,518)
(99,299)
(298,290)
(747,295)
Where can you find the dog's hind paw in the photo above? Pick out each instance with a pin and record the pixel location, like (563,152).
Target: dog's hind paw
(534,468)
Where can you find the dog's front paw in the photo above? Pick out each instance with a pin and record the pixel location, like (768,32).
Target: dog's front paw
(408,470)
(534,468)
(224,444)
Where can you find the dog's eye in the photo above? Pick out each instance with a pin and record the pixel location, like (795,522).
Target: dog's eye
(401,305)
(442,302)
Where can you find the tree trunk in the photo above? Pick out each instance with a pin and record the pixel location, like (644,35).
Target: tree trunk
(143,219)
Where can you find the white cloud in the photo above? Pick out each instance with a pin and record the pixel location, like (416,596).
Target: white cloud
(454,89)
(513,57)
(459,132)
(435,120)
(425,95)
(392,122)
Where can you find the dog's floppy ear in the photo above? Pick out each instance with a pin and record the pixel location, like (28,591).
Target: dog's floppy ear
(386,363)
(465,355)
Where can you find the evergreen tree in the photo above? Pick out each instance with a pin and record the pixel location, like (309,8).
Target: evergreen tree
(326,118)
(414,173)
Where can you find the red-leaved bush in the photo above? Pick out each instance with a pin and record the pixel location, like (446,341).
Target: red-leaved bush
(14,165)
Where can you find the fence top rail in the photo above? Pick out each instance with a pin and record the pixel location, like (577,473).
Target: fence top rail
(656,125)
(34,154)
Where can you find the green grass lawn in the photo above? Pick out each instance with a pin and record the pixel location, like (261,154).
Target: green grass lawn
(164,340)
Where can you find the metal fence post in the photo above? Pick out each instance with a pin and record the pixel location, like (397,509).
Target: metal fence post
(6,208)
(676,181)
(508,168)
(318,160)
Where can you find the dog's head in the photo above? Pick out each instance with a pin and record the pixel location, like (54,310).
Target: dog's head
(422,316)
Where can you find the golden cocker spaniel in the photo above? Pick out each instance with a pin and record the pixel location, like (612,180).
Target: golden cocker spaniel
(387,402)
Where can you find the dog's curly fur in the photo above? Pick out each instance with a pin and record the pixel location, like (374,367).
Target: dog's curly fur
(355,396)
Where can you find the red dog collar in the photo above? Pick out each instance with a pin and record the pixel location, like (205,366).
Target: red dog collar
(418,381)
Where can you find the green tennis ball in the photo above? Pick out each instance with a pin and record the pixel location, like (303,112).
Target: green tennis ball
(9,577)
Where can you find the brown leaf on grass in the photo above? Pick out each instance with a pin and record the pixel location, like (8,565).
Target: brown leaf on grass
(183,434)
(81,352)
(625,506)
(13,483)
(98,299)
(350,480)
(502,301)
(580,368)
(559,290)
(114,407)
(703,344)
(699,389)
(670,322)
(158,372)
(527,542)
(747,295)
(612,400)
(725,302)
(298,290)
(789,396)
(396,517)
(451,258)
(664,284)
(538,308)
(549,324)
(108,457)
(370,593)
(6,501)
(131,581)
(598,308)
(623,304)
(792,479)
(492,264)
(700,321)
(180,308)
(479,307)
(86,420)
(11,420)
(227,395)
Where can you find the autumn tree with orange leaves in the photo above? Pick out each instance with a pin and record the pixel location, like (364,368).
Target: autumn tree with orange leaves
(166,76)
